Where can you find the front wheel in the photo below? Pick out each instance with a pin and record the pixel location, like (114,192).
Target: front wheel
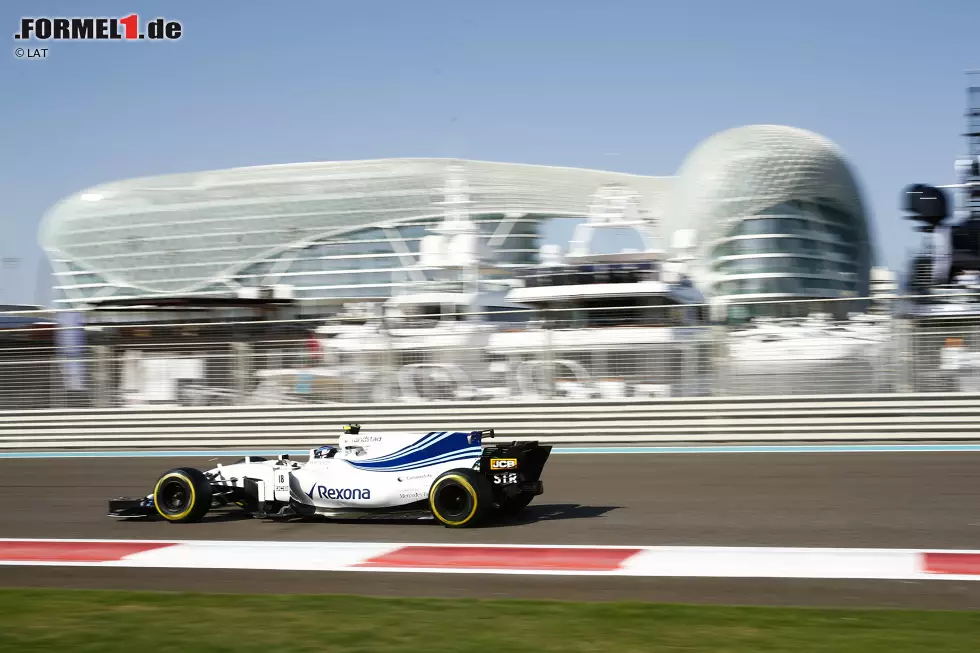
(461,498)
(182,495)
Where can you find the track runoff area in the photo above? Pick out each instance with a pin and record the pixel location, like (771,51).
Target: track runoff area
(513,559)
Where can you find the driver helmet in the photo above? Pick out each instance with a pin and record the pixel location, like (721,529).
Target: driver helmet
(352,429)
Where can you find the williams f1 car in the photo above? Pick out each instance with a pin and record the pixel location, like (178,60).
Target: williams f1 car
(449,476)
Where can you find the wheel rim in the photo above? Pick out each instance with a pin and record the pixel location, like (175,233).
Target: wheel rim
(174,496)
(453,501)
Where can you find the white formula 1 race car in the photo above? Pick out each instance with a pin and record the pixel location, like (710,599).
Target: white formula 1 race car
(449,476)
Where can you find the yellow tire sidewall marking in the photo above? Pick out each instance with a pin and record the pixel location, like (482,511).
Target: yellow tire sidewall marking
(467,486)
(156,502)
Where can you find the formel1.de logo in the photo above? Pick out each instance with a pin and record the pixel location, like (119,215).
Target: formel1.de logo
(127,28)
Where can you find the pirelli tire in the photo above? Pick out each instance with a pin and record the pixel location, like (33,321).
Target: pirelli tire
(461,498)
(182,495)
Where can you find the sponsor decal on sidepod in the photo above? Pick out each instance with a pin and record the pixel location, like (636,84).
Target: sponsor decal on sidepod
(338,494)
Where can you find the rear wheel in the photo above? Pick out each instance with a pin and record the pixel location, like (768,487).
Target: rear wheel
(461,498)
(182,495)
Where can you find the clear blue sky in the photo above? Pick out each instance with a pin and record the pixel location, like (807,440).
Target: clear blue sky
(622,85)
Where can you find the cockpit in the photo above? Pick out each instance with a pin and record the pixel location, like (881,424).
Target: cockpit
(326,451)
(349,451)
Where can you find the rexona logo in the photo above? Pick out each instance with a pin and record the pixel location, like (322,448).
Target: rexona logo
(338,494)
(503,463)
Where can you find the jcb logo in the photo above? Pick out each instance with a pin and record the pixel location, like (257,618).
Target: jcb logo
(503,463)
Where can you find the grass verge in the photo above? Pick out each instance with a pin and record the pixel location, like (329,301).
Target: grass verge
(145,622)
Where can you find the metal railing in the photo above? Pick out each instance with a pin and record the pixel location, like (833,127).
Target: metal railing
(891,417)
(556,357)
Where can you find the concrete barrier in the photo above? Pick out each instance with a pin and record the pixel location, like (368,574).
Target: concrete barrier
(719,419)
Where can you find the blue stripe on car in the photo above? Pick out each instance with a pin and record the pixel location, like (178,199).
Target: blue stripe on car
(429,451)
(414,462)
(466,454)
(421,443)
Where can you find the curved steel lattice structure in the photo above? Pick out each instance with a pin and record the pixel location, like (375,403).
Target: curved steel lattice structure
(776,211)
(208,232)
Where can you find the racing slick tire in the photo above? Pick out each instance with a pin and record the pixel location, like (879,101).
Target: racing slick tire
(182,495)
(461,498)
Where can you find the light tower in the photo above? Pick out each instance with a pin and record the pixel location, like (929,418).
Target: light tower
(970,167)
(929,205)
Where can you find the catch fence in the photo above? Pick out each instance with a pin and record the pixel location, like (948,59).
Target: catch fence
(304,362)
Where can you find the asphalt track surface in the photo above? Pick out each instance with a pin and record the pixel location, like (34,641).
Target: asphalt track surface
(876,500)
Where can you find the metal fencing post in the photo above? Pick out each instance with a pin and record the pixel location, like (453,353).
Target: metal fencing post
(241,371)
(549,365)
(387,371)
(719,341)
(905,356)
(102,377)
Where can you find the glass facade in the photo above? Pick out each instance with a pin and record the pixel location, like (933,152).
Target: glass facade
(331,230)
(370,263)
(365,264)
(792,250)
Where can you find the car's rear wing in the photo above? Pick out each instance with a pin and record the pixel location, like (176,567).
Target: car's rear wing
(525,457)
(476,437)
